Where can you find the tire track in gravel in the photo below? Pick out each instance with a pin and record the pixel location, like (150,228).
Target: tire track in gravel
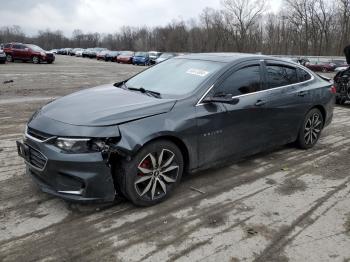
(274,250)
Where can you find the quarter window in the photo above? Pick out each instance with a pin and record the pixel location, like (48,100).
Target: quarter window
(303,75)
(278,75)
(244,81)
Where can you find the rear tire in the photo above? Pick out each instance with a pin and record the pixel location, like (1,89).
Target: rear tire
(9,58)
(152,174)
(311,129)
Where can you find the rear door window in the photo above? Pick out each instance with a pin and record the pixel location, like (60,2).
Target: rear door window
(243,81)
(281,75)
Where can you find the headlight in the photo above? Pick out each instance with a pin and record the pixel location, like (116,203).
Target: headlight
(42,53)
(81,145)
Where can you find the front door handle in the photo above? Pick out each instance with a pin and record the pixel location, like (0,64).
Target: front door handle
(302,93)
(260,102)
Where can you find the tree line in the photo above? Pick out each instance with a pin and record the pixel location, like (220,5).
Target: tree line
(300,27)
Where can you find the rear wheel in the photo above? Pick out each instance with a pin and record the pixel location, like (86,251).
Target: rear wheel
(311,129)
(152,174)
(9,58)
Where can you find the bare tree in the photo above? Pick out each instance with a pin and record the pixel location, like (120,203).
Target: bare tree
(242,16)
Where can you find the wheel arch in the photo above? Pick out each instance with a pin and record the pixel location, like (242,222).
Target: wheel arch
(129,148)
(322,110)
(178,142)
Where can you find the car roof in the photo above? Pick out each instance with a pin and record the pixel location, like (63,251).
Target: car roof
(224,57)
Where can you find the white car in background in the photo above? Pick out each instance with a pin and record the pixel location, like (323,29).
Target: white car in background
(79,53)
(340,68)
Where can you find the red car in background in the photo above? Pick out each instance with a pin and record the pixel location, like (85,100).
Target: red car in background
(125,57)
(101,55)
(321,66)
(27,52)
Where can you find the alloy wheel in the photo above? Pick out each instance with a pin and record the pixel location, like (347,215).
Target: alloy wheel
(156,172)
(312,130)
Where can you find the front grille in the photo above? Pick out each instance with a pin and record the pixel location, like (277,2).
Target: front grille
(38,134)
(36,158)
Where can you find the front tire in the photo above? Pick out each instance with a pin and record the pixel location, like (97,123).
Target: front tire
(35,60)
(311,129)
(152,174)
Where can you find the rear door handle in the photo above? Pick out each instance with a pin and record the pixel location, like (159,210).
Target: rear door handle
(260,102)
(303,93)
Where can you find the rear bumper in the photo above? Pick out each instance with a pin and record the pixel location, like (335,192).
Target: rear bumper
(74,177)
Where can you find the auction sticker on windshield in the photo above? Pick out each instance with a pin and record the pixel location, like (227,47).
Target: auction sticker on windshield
(197,72)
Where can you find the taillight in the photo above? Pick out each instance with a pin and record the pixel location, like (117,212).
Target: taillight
(333,90)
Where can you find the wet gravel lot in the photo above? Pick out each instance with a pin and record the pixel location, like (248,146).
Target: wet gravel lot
(282,205)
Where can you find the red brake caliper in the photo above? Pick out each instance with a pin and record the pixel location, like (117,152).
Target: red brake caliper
(145,164)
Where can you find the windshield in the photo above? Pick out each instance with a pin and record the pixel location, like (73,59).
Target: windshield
(175,77)
(36,48)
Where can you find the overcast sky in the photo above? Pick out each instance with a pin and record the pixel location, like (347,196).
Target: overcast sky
(103,16)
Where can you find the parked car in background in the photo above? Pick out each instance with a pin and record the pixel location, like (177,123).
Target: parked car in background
(125,57)
(66,51)
(86,52)
(165,56)
(320,65)
(79,53)
(27,52)
(112,56)
(54,51)
(92,52)
(137,137)
(340,68)
(74,51)
(339,62)
(153,55)
(141,58)
(102,54)
(2,57)
(342,84)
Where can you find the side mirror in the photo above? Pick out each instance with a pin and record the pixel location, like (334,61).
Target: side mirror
(227,99)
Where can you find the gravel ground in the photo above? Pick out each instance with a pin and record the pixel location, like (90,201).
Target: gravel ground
(282,205)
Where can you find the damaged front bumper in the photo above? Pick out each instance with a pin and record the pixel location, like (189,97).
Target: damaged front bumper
(80,177)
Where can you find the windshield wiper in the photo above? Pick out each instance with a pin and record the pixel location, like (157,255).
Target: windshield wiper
(145,91)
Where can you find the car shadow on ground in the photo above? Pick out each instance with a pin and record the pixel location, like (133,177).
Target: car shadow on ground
(188,180)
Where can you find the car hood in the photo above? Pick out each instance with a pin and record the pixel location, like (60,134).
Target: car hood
(105,105)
